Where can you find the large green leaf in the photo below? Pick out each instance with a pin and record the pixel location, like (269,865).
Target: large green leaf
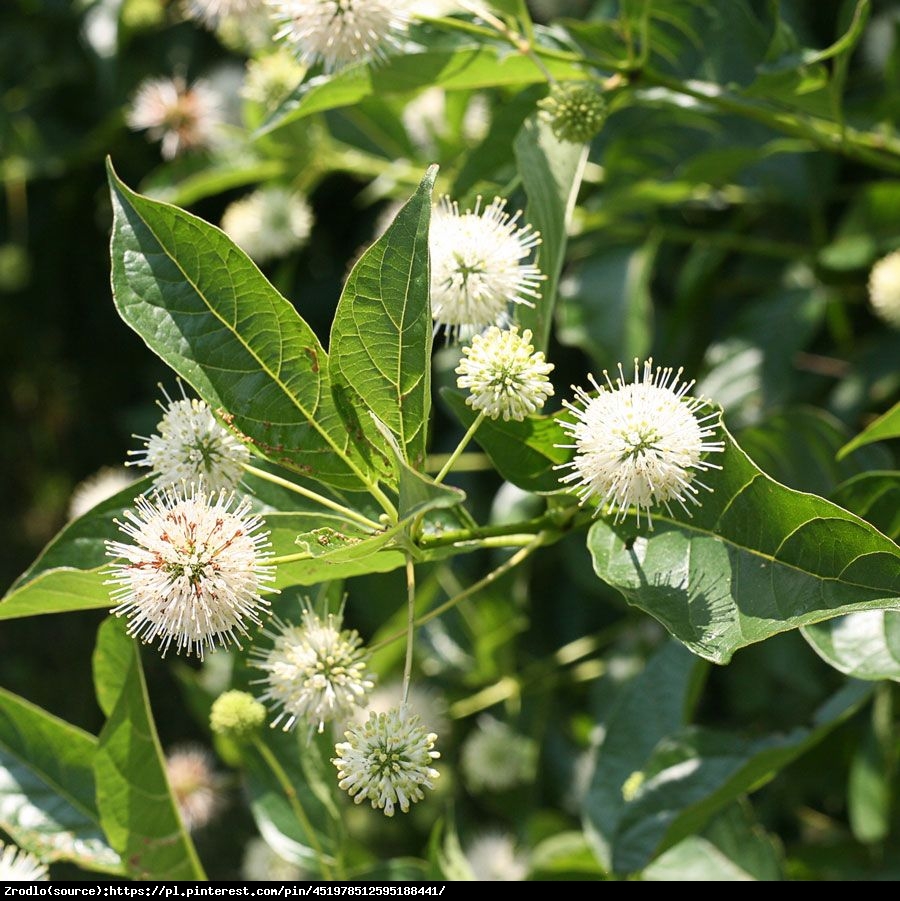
(551,172)
(655,704)
(875,496)
(865,645)
(47,800)
(756,559)
(382,334)
(524,453)
(137,810)
(201,304)
(696,772)
(451,68)
(883,429)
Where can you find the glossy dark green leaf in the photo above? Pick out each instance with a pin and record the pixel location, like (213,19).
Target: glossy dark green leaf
(201,304)
(655,704)
(551,172)
(137,809)
(756,559)
(382,334)
(47,787)
(865,645)
(524,453)
(452,69)
(696,772)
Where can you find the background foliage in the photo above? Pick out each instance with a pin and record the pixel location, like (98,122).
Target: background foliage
(746,180)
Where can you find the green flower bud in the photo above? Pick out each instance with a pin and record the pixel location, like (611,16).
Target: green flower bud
(237,715)
(574,110)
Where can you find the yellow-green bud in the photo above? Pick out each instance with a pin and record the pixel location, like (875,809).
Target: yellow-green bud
(237,715)
(574,110)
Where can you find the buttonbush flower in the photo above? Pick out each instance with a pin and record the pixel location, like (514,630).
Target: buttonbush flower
(193,572)
(477,267)
(183,117)
(315,672)
(268,223)
(97,488)
(884,289)
(17,865)
(197,787)
(340,32)
(496,758)
(271,78)
(640,444)
(504,375)
(211,12)
(191,447)
(575,111)
(493,858)
(387,761)
(236,715)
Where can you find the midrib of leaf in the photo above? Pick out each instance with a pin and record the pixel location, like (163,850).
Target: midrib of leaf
(278,381)
(45,777)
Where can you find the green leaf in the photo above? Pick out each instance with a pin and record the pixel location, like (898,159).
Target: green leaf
(757,559)
(57,591)
(137,810)
(884,428)
(47,787)
(655,704)
(453,69)
(696,772)
(608,309)
(865,645)
(524,453)
(565,855)
(382,334)
(875,496)
(871,771)
(199,302)
(288,835)
(696,859)
(551,172)
(110,665)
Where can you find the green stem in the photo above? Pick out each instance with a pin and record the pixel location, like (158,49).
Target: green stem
(518,557)
(473,462)
(459,448)
(308,493)
(410,628)
(294,801)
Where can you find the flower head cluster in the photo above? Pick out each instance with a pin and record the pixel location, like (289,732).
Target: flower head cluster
(17,865)
(193,572)
(269,223)
(236,715)
(504,375)
(340,32)
(197,787)
(315,672)
(387,761)
(575,111)
(640,444)
(493,858)
(884,289)
(192,447)
(477,266)
(97,488)
(211,12)
(496,758)
(271,78)
(184,117)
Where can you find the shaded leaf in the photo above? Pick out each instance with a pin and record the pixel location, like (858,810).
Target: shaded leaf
(875,496)
(865,645)
(47,787)
(137,810)
(884,428)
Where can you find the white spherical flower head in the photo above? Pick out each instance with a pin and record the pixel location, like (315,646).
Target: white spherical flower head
(477,267)
(504,375)
(192,447)
(211,12)
(497,758)
(199,791)
(315,672)
(387,761)
(268,223)
(640,444)
(97,488)
(884,289)
(193,572)
(17,865)
(493,858)
(340,32)
(183,117)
